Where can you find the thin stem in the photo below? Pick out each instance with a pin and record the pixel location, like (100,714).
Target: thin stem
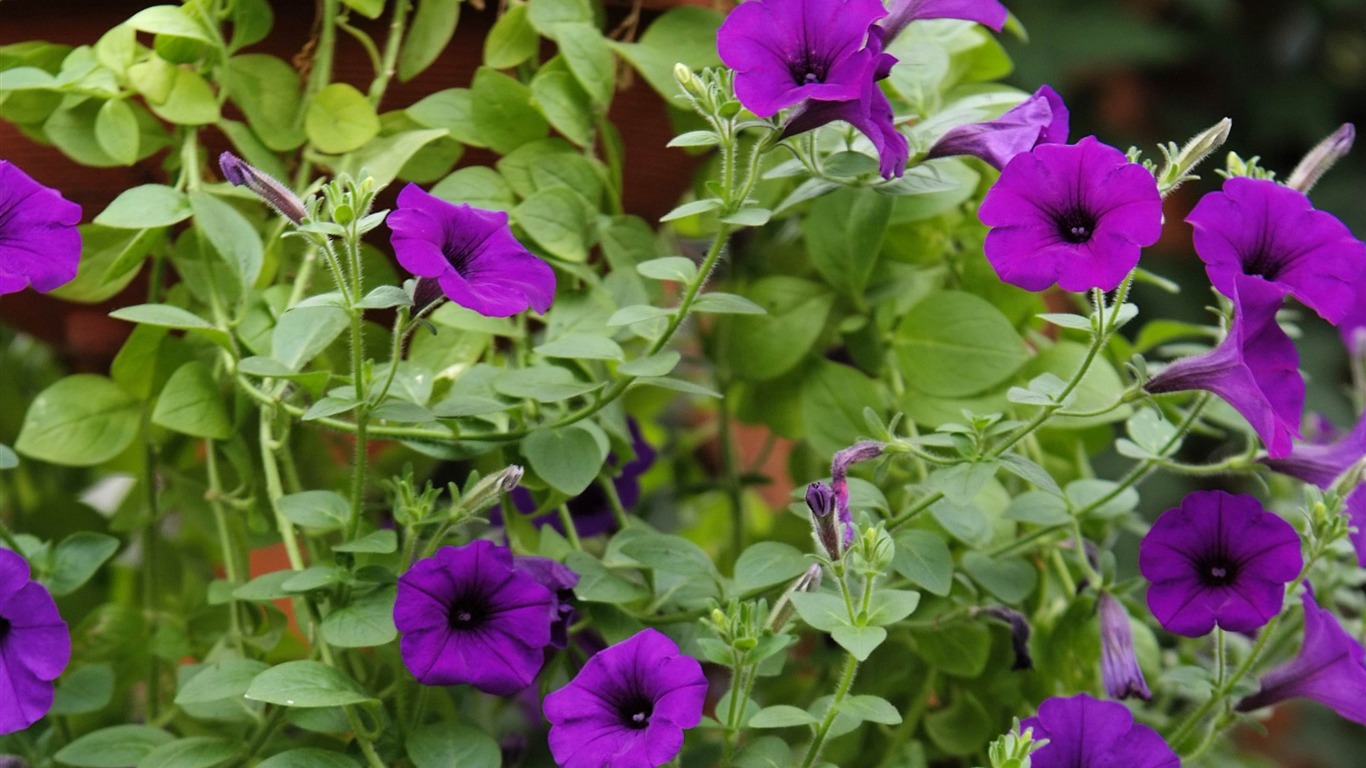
(570,530)
(230,563)
(730,477)
(386,68)
(823,730)
(619,513)
(274,490)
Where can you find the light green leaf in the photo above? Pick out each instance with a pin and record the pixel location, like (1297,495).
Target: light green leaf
(380,542)
(821,610)
(191,404)
(431,31)
(478,186)
(83,690)
(370,9)
(502,112)
(547,15)
(224,680)
(146,206)
(366,623)
(659,364)
(230,234)
(189,101)
(889,606)
(340,119)
(452,109)
(8,458)
(77,558)
(512,40)
(306,684)
(718,303)
(568,458)
(116,130)
(556,219)
(954,344)
(194,752)
(452,746)
(764,347)
(308,757)
(860,642)
(684,34)
(924,558)
(583,346)
(169,20)
(79,421)
(116,747)
(872,709)
(564,103)
(598,584)
(589,58)
(267,90)
(303,332)
(678,269)
(318,510)
(844,234)
(781,716)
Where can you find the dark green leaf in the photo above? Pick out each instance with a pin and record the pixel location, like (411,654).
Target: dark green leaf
(924,558)
(568,458)
(959,649)
(116,747)
(308,758)
(77,559)
(306,684)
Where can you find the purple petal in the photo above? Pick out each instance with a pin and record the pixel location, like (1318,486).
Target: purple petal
(988,13)
(1084,732)
(1040,119)
(39,242)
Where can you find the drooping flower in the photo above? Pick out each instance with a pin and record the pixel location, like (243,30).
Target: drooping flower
(1218,559)
(1073,214)
(1330,669)
(560,580)
(1084,732)
(468,615)
(1020,630)
(1040,119)
(1119,670)
(1258,227)
(1322,463)
(39,243)
(865,450)
(786,51)
(988,13)
(628,706)
(471,253)
(1255,368)
(870,113)
(34,645)
(276,195)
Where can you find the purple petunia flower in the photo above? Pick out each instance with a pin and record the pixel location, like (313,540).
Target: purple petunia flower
(1040,119)
(1119,670)
(1255,368)
(471,253)
(988,13)
(1084,732)
(1322,463)
(468,615)
(1330,669)
(1355,507)
(786,51)
(39,243)
(1218,559)
(1258,227)
(1073,214)
(628,706)
(869,112)
(34,645)
(559,579)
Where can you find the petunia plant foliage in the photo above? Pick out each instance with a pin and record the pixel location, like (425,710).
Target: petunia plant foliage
(424,448)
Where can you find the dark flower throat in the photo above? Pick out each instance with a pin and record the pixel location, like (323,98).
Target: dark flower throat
(468,611)
(1218,573)
(1076,225)
(4,628)
(635,711)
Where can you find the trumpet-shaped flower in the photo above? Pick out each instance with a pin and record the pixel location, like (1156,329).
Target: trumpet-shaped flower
(1322,463)
(1084,732)
(1330,669)
(1119,669)
(1258,227)
(628,706)
(468,615)
(1218,559)
(1255,368)
(559,579)
(39,243)
(34,645)
(1040,119)
(1073,214)
(988,13)
(471,254)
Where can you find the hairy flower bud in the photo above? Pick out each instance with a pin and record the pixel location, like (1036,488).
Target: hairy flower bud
(1322,157)
(820,499)
(490,488)
(1119,669)
(275,194)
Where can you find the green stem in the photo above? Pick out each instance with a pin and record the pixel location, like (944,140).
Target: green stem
(231,566)
(823,730)
(362,427)
(275,489)
(730,477)
(389,66)
(619,513)
(570,530)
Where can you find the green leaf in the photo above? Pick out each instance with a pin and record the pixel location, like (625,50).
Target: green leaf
(954,344)
(224,680)
(684,34)
(8,458)
(568,458)
(718,303)
(889,606)
(502,113)
(265,587)
(673,554)
(860,642)
(556,219)
(924,558)
(833,398)
(748,217)
(452,109)
(163,315)
(266,88)
(598,584)
(194,752)
(191,404)
(695,139)
(308,757)
(766,564)
(1010,579)
(1100,387)
(959,649)
(844,232)
(321,511)
(678,269)
(340,119)
(443,745)
(764,347)
(781,716)
(962,728)
(77,559)
(189,101)
(871,709)
(479,186)
(512,40)
(1087,491)
(79,421)
(564,103)
(385,297)
(109,262)
(145,207)
(1039,508)
(230,234)
(430,32)
(169,20)
(116,747)
(589,57)
(658,364)
(116,130)
(383,158)
(546,15)
(304,332)
(367,622)
(306,684)
(546,384)
(380,542)
(370,9)
(583,346)
(637,313)
(692,209)
(821,610)
(83,690)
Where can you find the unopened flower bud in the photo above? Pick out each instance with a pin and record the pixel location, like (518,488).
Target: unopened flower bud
(488,489)
(689,81)
(782,610)
(820,499)
(1118,664)
(1322,157)
(1019,633)
(275,194)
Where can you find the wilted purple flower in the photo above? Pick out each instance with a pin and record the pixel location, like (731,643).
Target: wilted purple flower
(1119,669)
(1020,630)
(628,706)
(467,615)
(1258,227)
(865,450)
(1084,732)
(275,194)
(1322,463)
(869,112)
(1255,368)
(1330,669)
(34,645)
(559,579)
(472,254)
(39,243)
(988,13)
(1073,214)
(1039,119)
(786,51)
(1218,559)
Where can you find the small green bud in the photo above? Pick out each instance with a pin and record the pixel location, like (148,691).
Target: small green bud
(488,490)
(343,214)
(746,644)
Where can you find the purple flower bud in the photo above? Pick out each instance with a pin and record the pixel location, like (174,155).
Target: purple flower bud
(1118,664)
(865,450)
(1322,157)
(820,498)
(275,194)
(1019,633)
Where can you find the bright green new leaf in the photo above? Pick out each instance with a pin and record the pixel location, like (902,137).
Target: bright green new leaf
(191,404)
(340,119)
(116,129)
(512,40)
(79,421)
(431,30)
(145,207)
